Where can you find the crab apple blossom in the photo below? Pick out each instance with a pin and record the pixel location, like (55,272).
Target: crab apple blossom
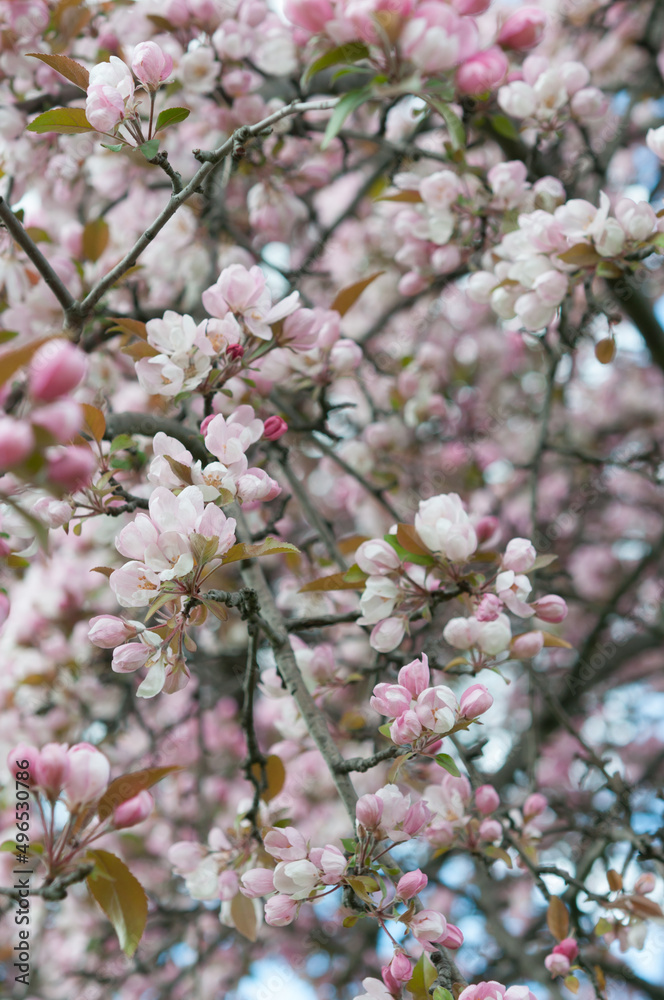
(331,382)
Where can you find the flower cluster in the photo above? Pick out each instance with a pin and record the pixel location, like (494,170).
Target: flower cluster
(408,572)
(533,269)
(423,714)
(111,97)
(548,96)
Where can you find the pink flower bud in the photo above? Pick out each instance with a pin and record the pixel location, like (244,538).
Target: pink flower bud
(377,557)
(104,107)
(53,513)
(428,926)
(391,700)
(133,811)
(482,72)
(405,729)
(71,468)
(235,352)
(519,555)
(567,947)
(274,428)
(557,964)
(551,609)
(415,675)
(386,635)
(526,645)
(287,844)
(369,810)
(489,608)
(310,14)
(62,419)
(418,816)
(16,442)
(205,424)
(88,776)
(453,937)
(523,29)
(490,830)
(108,631)
(128,658)
(56,369)
(345,356)
(487,799)
(411,884)
(257,882)
(151,65)
(400,968)
(185,856)
(52,769)
(280,910)
(475,701)
(534,805)
(20,753)
(644,884)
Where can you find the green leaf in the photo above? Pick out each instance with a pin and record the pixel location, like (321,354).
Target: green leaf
(424,976)
(541,562)
(384,730)
(269,546)
(66,121)
(504,126)
(149,148)
(6,335)
(170,116)
(348,844)
(440,993)
(121,443)
(348,103)
(128,785)
(120,896)
(453,122)
(95,239)
(114,147)
(350,53)
(335,581)
(447,762)
(354,574)
(407,556)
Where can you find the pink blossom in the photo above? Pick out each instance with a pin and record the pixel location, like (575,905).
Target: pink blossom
(285,844)
(377,557)
(488,609)
(475,701)
(487,799)
(519,555)
(129,657)
(387,634)
(280,911)
(569,947)
(133,811)
(526,645)
(345,356)
(108,631)
(490,830)
(185,856)
(71,468)
(17,441)
(61,419)
(296,878)
(534,805)
(643,885)
(56,369)
(89,772)
(453,937)
(151,65)
(310,14)
(482,72)
(257,882)
(369,810)
(405,729)
(228,439)
(104,108)
(428,927)
(436,709)
(391,700)
(51,769)
(523,29)
(557,964)
(411,884)
(274,428)
(414,676)
(551,609)
(19,753)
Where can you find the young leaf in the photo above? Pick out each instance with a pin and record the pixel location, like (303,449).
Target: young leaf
(557,918)
(115,147)
(269,546)
(95,239)
(171,116)
(424,976)
(409,195)
(553,640)
(149,148)
(410,540)
(581,254)
(347,297)
(12,361)
(126,325)
(95,422)
(69,68)
(120,896)
(348,103)
(447,762)
(243,915)
(405,555)
(128,785)
(335,581)
(66,121)
(349,53)
(453,122)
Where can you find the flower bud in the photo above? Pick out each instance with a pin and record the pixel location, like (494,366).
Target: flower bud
(133,811)
(16,442)
(280,910)
(519,555)
(400,968)
(88,776)
(61,419)
(411,884)
(310,14)
(369,810)
(376,556)
(235,352)
(534,805)
(56,369)
(487,799)
(482,72)
(429,926)
(53,513)
(567,947)
(551,609)
(557,964)
(453,937)
(414,676)
(257,882)
(128,658)
(489,608)
(523,29)
(386,635)
(345,356)
(274,428)
(151,65)
(475,701)
(490,830)
(526,645)
(52,769)
(108,631)
(19,753)
(487,528)
(405,729)
(71,468)
(185,856)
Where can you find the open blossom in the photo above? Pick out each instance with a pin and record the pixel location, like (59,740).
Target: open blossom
(110,90)
(444,526)
(245,294)
(228,439)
